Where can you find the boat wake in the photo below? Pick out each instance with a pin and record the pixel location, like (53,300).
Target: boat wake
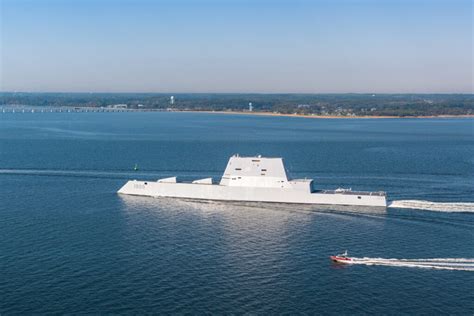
(450,207)
(459,264)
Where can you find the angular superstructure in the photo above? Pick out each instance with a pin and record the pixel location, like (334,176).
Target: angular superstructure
(255,172)
(253,179)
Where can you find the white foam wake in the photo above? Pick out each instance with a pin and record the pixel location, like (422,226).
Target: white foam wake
(459,264)
(434,206)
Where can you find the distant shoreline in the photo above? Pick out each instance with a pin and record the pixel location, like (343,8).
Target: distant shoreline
(32,109)
(323,106)
(330,116)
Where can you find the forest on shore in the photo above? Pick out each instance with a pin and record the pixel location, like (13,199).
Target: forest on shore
(350,104)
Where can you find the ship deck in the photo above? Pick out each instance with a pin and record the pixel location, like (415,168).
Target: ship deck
(365,193)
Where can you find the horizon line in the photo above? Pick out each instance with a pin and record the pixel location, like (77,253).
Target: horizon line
(262,93)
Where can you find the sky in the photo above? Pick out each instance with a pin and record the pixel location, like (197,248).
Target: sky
(237,46)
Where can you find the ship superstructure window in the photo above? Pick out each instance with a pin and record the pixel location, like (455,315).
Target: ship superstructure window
(264,170)
(255,160)
(238,169)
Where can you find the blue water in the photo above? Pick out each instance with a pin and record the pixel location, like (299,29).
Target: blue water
(70,244)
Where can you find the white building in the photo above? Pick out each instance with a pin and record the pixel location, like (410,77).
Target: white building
(118,106)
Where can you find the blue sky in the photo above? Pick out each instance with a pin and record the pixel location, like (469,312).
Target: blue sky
(318,46)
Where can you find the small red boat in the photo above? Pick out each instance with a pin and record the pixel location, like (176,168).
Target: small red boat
(342,258)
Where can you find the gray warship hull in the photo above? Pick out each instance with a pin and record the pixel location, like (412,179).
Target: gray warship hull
(253,179)
(251,194)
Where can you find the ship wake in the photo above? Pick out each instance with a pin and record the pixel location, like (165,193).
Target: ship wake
(449,207)
(459,264)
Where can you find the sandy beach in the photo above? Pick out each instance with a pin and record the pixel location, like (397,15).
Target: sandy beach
(330,116)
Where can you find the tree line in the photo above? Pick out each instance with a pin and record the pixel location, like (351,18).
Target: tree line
(317,104)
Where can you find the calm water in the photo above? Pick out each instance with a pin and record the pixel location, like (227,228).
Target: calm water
(69,243)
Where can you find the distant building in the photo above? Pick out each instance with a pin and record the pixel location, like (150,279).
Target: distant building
(250,107)
(118,106)
(172,100)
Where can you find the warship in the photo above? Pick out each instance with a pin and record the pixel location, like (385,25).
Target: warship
(253,179)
